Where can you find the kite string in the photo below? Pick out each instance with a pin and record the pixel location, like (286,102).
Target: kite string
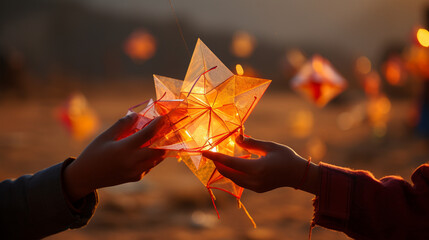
(180,29)
(193,85)
(248,110)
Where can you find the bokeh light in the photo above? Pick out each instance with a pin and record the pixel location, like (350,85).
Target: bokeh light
(417,61)
(378,110)
(300,123)
(318,81)
(352,118)
(316,148)
(243,44)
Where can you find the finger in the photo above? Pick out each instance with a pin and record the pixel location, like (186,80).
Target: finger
(236,163)
(122,125)
(148,132)
(239,178)
(255,146)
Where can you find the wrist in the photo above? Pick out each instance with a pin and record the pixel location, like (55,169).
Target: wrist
(74,184)
(312,182)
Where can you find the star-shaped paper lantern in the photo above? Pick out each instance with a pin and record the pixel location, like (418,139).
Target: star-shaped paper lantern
(206,111)
(318,81)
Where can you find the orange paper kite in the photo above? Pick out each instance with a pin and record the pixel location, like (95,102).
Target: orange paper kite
(318,81)
(206,111)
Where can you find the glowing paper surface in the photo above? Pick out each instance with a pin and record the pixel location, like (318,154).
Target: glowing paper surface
(206,111)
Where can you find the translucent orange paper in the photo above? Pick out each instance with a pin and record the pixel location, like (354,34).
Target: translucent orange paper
(206,111)
(318,81)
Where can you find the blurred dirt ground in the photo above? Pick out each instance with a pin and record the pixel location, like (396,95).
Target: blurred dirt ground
(171,203)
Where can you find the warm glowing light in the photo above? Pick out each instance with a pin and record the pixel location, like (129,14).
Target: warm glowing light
(301,123)
(243,44)
(231,144)
(206,111)
(378,110)
(78,117)
(363,65)
(423,37)
(318,81)
(239,69)
(371,84)
(318,65)
(140,45)
(316,148)
(417,61)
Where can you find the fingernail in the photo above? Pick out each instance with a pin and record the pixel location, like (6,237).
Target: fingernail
(129,116)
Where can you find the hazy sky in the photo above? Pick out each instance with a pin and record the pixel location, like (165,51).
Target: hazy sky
(357,26)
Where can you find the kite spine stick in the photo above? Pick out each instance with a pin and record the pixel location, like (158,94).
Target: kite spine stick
(212,196)
(241,205)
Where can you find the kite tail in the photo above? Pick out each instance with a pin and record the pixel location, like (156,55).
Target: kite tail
(241,205)
(212,196)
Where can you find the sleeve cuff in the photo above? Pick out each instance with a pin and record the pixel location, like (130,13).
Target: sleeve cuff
(332,206)
(48,204)
(83,209)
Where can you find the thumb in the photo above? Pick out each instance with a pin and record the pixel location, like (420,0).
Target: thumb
(255,146)
(155,127)
(120,127)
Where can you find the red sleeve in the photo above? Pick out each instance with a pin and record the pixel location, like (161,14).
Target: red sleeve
(363,207)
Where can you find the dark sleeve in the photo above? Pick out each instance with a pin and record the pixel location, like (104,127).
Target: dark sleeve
(35,206)
(363,207)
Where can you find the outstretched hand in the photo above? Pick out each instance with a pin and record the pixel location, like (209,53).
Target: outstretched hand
(278,166)
(107,161)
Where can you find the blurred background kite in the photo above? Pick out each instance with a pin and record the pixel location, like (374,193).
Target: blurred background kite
(78,117)
(318,81)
